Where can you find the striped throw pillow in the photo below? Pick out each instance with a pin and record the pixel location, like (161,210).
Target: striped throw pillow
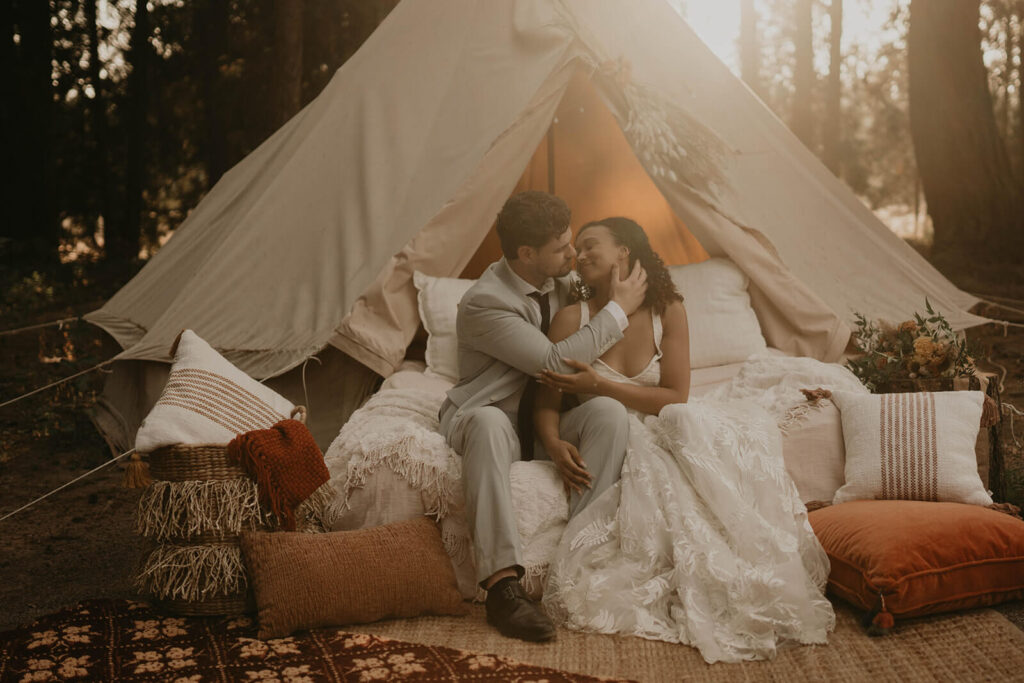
(916,446)
(207,400)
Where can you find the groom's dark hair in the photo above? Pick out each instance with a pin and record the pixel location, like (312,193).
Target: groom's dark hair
(531,219)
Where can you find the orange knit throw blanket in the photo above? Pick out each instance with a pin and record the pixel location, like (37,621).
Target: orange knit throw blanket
(286,464)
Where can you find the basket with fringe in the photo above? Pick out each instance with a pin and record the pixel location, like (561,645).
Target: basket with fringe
(195,511)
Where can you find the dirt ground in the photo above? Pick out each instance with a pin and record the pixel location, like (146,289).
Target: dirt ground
(79,542)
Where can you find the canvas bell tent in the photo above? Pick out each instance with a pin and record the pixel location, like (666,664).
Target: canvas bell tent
(307,247)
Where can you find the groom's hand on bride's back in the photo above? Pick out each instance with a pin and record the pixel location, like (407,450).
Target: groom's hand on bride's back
(629,293)
(570,465)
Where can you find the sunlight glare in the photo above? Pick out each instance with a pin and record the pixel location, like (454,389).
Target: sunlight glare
(717,22)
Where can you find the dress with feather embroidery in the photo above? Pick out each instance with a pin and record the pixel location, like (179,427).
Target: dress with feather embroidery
(703,541)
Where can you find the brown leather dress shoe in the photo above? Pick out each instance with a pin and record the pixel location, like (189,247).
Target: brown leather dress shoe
(515,615)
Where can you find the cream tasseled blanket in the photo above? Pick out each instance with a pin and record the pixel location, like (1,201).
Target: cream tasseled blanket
(398,429)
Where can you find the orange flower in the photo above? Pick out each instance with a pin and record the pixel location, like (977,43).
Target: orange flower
(908,326)
(924,347)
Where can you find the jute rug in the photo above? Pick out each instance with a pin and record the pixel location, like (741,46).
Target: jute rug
(120,640)
(980,645)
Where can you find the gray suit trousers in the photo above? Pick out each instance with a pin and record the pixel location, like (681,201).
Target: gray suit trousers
(486,439)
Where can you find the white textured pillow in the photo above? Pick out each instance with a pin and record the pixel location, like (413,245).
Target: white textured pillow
(438,300)
(723,326)
(916,446)
(207,400)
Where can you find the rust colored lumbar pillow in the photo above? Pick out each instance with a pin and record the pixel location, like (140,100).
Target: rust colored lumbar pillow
(911,558)
(303,581)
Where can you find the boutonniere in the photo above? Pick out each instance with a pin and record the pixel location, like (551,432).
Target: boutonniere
(578,291)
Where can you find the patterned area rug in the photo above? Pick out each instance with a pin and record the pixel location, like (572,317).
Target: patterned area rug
(117,640)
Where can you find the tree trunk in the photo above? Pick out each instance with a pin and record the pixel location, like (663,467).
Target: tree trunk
(802,120)
(10,122)
(99,153)
(832,133)
(964,166)
(322,24)
(288,53)
(750,47)
(1007,123)
(124,240)
(338,15)
(1020,95)
(212,19)
(38,225)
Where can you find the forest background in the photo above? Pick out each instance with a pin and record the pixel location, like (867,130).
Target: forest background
(119,115)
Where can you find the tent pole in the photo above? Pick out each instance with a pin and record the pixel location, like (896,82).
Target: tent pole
(551,158)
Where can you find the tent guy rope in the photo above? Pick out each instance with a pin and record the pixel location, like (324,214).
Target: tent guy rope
(58,382)
(993,300)
(996,304)
(66,484)
(18,330)
(1012,410)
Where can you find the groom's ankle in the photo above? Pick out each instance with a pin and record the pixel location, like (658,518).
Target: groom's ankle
(500,575)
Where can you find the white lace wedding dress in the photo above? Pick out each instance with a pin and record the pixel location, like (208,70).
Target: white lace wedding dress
(704,540)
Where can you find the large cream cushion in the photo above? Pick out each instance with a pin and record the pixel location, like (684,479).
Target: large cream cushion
(438,301)
(723,325)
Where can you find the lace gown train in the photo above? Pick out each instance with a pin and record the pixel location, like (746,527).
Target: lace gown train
(703,541)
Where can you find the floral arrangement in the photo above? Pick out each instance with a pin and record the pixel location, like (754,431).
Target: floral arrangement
(925,347)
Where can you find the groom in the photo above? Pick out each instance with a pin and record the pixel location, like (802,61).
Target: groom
(488,416)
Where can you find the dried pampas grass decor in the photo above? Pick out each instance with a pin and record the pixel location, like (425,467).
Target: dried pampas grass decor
(183,509)
(192,572)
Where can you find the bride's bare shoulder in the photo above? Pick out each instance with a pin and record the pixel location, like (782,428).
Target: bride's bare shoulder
(674,315)
(566,321)
(568,314)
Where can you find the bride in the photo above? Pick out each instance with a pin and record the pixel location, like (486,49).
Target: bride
(704,540)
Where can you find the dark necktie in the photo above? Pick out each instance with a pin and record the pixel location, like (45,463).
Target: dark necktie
(524,420)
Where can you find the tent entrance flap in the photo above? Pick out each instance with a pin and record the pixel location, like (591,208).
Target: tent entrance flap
(598,175)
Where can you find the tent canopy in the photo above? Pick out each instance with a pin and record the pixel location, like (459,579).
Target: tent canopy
(405,158)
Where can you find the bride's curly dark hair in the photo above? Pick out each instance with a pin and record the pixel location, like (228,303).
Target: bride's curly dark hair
(661,291)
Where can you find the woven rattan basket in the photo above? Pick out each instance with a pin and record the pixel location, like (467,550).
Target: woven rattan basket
(197,507)
(185,463)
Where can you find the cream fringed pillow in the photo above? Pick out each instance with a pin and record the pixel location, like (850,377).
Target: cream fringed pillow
(917,446)
(207,400)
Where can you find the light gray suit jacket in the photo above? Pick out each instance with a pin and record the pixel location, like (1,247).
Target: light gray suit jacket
(501,345)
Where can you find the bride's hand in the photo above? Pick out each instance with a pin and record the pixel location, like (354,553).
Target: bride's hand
(585,380)
(570,465)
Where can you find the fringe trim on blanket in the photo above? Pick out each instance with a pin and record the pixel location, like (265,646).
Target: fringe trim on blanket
(438,488)
(456,543)
(171,510)
(534,578)
(183,509)
(799,413)
(193,572)
(311,516)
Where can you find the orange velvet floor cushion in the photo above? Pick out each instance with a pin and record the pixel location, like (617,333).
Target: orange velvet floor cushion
(899,558)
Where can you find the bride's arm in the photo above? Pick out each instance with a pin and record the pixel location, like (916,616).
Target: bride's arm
(675,371)
(547,403)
